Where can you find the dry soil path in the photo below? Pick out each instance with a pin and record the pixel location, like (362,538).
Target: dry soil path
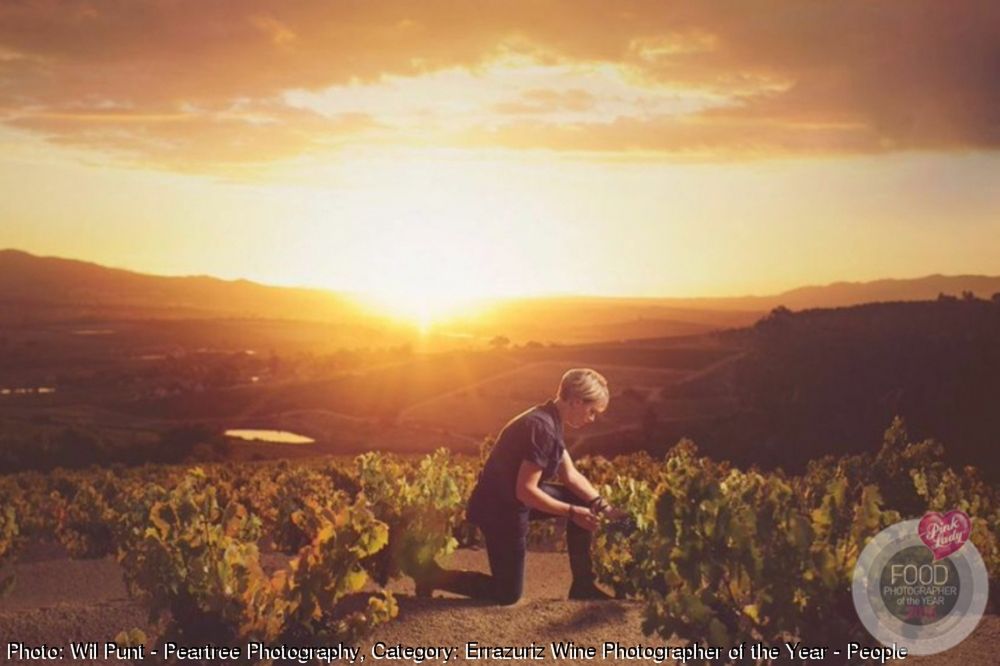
(58,600)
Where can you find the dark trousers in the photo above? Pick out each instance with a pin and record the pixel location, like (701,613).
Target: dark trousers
(506,546)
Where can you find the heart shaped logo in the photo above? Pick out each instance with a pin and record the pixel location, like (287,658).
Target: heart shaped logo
(944,533)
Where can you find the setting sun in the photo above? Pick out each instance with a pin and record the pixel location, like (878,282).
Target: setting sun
(433,232)
(423,306)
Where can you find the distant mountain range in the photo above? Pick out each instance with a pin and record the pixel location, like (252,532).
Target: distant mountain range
(48,288)
(28,280)
(840,294)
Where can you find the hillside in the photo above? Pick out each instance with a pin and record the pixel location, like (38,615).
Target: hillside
(795,386)
(830,381)
(50,289)
(842,294)
(47,289)
(64,285)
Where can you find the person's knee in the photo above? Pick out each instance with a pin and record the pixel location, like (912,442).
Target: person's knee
(507,597)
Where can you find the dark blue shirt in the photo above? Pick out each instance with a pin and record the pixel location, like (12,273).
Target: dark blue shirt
(534,435)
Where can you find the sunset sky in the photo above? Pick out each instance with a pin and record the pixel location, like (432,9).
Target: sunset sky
(446,150)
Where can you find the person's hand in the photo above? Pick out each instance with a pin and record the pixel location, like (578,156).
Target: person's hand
(583,517)
(613,514)
(606,511)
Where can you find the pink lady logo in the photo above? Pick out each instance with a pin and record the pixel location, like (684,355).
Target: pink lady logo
(945,533)
(921,583)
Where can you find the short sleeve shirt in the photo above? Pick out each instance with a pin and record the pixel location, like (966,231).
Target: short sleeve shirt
(534,435)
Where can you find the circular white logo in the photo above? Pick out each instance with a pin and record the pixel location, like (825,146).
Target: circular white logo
(914,592)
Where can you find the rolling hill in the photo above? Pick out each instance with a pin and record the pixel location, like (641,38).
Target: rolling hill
(30,283)
(830,381)
(36,288)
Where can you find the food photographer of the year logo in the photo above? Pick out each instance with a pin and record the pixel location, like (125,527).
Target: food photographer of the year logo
(922,584)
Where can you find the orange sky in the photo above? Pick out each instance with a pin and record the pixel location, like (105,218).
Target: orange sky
(477,148)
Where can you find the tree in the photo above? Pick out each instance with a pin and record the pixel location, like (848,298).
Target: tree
(500,342)
(779,318)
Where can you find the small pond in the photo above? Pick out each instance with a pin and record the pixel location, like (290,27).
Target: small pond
(270,436)
(27,390)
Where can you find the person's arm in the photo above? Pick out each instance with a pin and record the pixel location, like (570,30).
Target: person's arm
(528,493)
(577,483)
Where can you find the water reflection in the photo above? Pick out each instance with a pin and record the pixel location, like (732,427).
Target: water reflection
(27,390)
(273,436)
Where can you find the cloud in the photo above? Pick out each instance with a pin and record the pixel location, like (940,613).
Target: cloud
(197,139)
(543,101)
(682,138)
(191,84)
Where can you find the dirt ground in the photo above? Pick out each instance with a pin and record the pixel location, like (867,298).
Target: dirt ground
(58,600)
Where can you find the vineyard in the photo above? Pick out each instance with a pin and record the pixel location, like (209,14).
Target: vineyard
(715,554)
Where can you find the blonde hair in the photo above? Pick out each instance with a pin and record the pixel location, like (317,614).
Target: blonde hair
(583,383)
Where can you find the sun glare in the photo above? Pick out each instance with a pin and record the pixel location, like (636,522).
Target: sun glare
(424,307)
(439,236)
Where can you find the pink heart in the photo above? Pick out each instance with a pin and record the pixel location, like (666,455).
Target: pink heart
(944,534)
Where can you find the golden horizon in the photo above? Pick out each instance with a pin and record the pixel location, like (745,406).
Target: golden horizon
(448,152)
